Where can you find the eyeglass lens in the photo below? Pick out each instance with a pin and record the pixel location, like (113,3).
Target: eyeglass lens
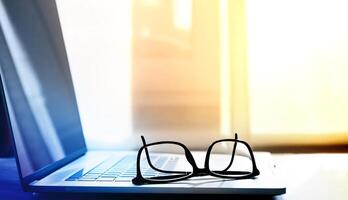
(160,165)
(230,159)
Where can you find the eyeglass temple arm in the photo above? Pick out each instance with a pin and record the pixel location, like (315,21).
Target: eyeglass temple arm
(233,153)
(147,154)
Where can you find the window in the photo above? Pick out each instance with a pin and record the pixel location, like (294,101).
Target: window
(144,67)
(98,38)
(273,71)
(175,75)
(297,69)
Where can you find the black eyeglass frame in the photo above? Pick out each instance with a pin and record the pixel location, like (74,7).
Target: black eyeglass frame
(196,171)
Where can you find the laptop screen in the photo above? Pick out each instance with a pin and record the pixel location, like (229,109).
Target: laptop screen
(38,85)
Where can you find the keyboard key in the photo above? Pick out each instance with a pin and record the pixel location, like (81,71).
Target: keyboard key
(107,176)
(91,175)
(105,179)
(86,179)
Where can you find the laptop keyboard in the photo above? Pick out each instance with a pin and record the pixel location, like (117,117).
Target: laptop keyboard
(123,170)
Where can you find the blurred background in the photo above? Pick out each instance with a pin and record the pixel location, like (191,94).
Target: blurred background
(274,71)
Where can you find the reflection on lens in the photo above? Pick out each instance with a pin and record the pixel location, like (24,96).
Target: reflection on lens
(159,165)
(230,159)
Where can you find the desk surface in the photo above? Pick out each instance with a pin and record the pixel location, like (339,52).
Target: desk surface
(307,176)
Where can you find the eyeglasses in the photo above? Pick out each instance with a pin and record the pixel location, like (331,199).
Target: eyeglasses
(154,168)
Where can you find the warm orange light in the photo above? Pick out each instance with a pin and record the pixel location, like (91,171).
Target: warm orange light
(225,72)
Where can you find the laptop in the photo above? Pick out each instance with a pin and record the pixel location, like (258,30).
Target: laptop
(42,110)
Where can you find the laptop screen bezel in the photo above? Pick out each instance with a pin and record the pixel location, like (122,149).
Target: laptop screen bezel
(40,173)
(6,59)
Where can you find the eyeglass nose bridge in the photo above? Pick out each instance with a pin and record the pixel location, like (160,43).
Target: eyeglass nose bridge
(200,171)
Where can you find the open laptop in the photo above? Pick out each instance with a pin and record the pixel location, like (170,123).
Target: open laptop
(51,152)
